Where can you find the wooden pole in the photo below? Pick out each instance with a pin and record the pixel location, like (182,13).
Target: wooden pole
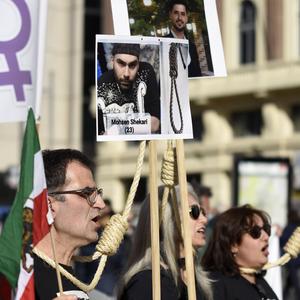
(154,221)
(189,262)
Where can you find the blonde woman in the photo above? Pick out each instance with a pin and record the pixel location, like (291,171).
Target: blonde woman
(137,281)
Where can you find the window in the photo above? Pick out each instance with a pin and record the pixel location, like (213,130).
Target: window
(246,123)
(273,29)
(197,127)
(247,32)
(141,191)
(194,178)
(296,117)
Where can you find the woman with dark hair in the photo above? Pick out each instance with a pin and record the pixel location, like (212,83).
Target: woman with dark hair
(137,281)
(240,241)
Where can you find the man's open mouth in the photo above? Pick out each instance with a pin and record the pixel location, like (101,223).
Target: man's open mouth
(96,219)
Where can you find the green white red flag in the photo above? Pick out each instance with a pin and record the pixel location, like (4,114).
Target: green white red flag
(29,219)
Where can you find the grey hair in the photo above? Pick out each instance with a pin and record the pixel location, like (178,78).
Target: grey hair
(202,277)
(170,242)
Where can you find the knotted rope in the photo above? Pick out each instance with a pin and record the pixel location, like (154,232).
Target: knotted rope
(111,237)
(173,75)
(169,177)
(292,249)
(169,166)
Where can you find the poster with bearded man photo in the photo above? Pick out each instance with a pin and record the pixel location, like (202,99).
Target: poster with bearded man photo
(141,89)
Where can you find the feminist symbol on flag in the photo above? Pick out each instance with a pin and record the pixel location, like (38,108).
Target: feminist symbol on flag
(14,76)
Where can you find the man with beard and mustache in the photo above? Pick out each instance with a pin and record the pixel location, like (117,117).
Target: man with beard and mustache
(178,14)
(130,87)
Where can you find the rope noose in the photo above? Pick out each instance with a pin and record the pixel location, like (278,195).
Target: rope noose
(173,75)
(111,237)
(169,177)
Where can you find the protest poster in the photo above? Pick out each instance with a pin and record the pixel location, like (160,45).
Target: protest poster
(142,88)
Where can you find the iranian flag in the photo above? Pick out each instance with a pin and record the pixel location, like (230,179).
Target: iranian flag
(29,219)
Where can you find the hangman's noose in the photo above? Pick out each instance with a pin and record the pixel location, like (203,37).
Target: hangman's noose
(173,74)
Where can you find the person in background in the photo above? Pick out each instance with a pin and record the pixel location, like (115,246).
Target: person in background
(240,239)
(137,281)
(204,194)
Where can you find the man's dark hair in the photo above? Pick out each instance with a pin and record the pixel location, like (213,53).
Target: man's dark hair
(171,4)
(56,162)
(122,48)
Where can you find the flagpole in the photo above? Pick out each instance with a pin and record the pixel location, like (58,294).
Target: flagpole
(58,275)
(60,288)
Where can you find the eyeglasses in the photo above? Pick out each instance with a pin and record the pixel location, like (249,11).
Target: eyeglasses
(88,193)
(255,231)
(195,211)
